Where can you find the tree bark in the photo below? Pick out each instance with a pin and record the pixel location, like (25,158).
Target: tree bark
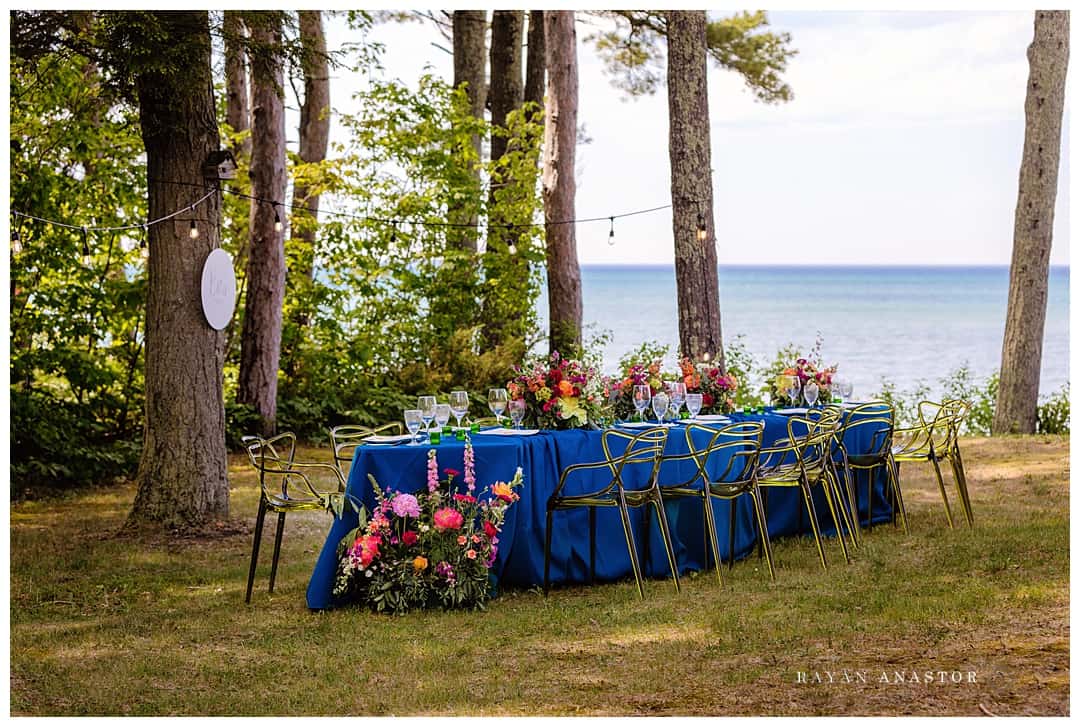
(506,92)
(260,345)
(1025,319)
(559,186)
(182,476)
(470,69)
(237,102)
(691,188)
(314,119)
(535,63)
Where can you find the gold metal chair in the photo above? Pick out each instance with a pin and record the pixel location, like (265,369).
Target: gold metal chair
(284,488)
(739,444)
(621,450)
(934,440)
(803,461)
(877,418)
(344,440)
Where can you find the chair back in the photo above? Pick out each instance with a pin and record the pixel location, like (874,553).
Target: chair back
(937,421)
(957,411)
(273,458)
(875,417)
(623,450)
(812,440)
(344,440)
(739,444)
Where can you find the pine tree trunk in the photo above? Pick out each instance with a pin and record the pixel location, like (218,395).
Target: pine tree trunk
(237,102)
(535,63)
(470,67)
(314,119)
(1025,319)
(260,345)
(506,91)
(691,188)
(560,141)
(182,477)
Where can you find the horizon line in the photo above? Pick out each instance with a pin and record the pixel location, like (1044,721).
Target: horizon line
(817,265)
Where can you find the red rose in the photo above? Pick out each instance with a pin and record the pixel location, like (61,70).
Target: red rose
(409,537)
(464,498)
(707,399)
(490,530)
(450,472)
(555,376)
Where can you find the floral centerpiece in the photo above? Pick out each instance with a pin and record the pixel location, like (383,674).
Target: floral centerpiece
(717,388)
(621,389)
(805,370)
(559,393)
(431,548)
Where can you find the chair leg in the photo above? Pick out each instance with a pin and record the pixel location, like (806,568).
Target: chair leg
(849,518)
(809,500)
(764,502)
(255,547)
(277,548)
(665,533)
(547,552)
(763,532)
(961,479)
(624,514)
(941,486)
(731,534)
(711,539)
(894,480)
(828,485)
(592,545)
(853,504)
(646,545)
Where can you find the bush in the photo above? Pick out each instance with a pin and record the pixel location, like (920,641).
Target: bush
(1053,416)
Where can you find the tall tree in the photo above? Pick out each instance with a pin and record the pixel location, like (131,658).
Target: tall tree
(1025,319)
(237,101)
(535,62)
(691,187)
(560,141)
(314,121)
(506,90)
(470,60)
(260,345)
(182,473)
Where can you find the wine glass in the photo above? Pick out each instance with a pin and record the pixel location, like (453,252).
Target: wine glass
(642,393)
(810,392)
(442,415)
(517,411)
(426,405)
(497,402)
(693,404)
(459,405)
(846,388)
(660,404)
(678,397)
(792,389)
(413,420)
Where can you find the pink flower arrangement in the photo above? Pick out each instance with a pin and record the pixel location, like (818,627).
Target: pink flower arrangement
(448,519)
(405,505)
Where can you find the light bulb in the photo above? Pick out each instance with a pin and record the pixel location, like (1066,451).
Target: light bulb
(513,249)
(194,232)
(277,220)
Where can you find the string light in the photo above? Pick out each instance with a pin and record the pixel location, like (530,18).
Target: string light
(702,233)
(611,235)
(393,232)
(193,233)
(16,242)
(277,217)
(85,247)
(142,238)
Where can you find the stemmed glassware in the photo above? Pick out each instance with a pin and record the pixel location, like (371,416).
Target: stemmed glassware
(497,402)
(693,404)
(459,405)
(810,392)
(642,393)
(846,388)
(792,389)
(660,404)
(442,415)
(413,421)
(678,397)
(426,405)
(517,411)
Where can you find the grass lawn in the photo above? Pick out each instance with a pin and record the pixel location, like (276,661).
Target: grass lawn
(105,625)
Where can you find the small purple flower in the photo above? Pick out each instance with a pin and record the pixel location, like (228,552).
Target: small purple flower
(406,506)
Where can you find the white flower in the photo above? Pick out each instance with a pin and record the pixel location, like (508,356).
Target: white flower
(368,573)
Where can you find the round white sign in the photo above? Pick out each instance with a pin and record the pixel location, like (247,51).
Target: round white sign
(218,289)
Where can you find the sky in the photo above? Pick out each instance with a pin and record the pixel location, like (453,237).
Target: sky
(902,144)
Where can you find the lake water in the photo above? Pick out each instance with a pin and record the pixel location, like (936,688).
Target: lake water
(908,324)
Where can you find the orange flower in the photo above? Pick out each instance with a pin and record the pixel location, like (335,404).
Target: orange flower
(419,563)
(503,491)
(461,540)
(566,388)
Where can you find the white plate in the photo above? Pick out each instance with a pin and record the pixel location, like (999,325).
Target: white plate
(387,438)
(793,410)
(504,432)
(644,425)
(711,418)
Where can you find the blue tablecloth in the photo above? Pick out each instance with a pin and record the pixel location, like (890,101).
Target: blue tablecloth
(542,458)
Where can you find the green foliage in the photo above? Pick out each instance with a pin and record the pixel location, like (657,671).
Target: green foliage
(633,52)
(76,327)
(1053,417)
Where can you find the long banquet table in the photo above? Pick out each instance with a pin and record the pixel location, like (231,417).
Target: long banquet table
(542,458)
